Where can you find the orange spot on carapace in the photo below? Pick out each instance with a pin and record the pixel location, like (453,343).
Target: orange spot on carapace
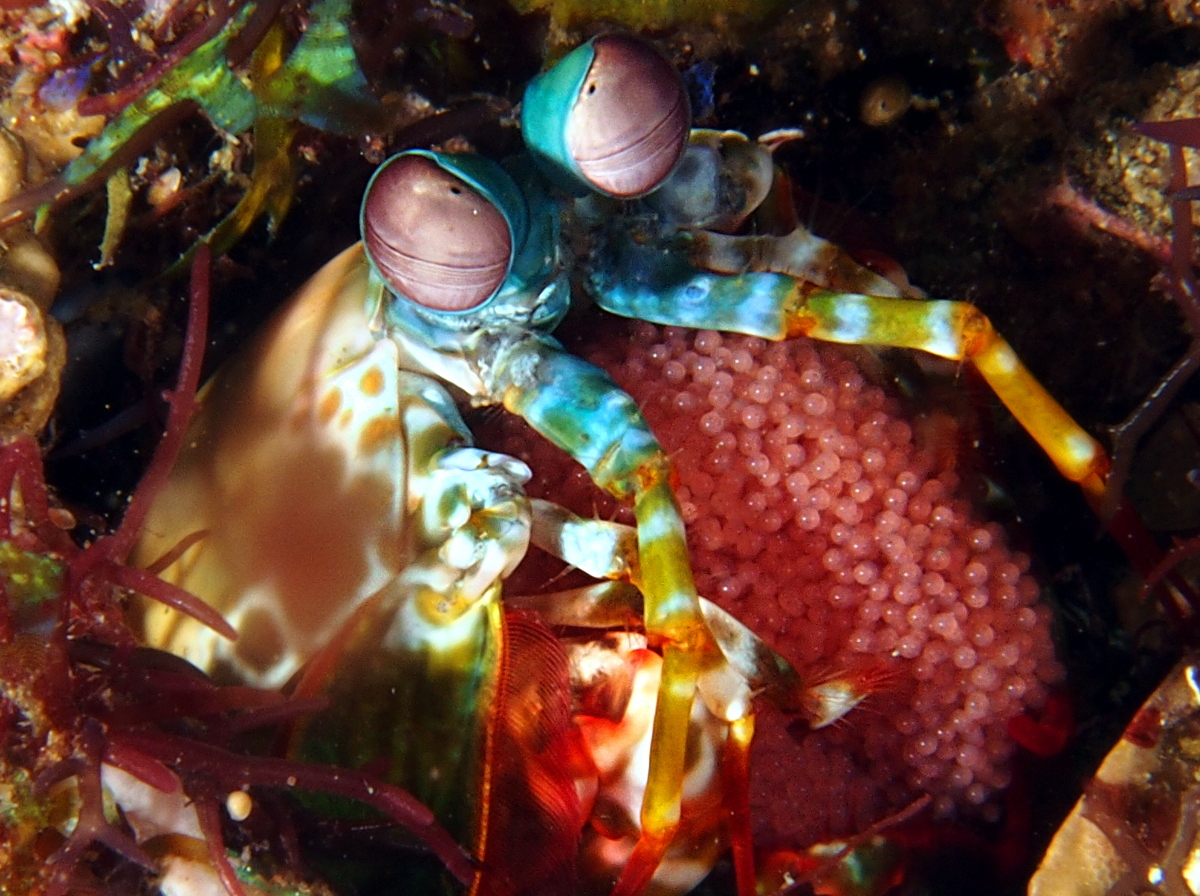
(329,405)
(377,433)
(371,382)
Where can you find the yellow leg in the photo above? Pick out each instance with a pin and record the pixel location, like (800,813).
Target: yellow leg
(775,306)
(672,618)
(664,783)
(958,331)
(737,773)
(578,407)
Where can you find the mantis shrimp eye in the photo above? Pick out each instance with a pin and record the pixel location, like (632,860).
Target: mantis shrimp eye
(434,239)
(630,122)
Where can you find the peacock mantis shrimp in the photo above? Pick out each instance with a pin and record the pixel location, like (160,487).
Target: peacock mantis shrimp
(330,505)
(427,528)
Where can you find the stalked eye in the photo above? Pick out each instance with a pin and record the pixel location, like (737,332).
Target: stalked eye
(630,122)
(434,239)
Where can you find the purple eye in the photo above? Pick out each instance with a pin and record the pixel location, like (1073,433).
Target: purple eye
(630,123)
(433,238)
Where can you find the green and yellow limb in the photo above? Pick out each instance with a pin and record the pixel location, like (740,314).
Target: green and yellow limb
(581,410)
(608,550)
(748,666)
(960,332)
(663,288)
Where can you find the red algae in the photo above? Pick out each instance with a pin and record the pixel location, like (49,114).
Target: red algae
(815,519)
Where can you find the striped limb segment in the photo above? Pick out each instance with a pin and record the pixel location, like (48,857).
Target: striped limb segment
(579,408)
(662,288)
(960,332)
(721,728)
(737,772)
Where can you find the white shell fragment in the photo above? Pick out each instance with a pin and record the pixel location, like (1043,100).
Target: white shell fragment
(23,343)
(32,348)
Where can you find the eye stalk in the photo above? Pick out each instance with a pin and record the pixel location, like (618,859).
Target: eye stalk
(432,236)
(613,114)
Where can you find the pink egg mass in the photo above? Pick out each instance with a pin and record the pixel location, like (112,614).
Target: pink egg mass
(815,519)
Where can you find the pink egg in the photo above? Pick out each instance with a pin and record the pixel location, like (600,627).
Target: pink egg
(816,519)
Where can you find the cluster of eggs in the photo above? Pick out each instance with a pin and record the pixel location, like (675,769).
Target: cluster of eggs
(815,518)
